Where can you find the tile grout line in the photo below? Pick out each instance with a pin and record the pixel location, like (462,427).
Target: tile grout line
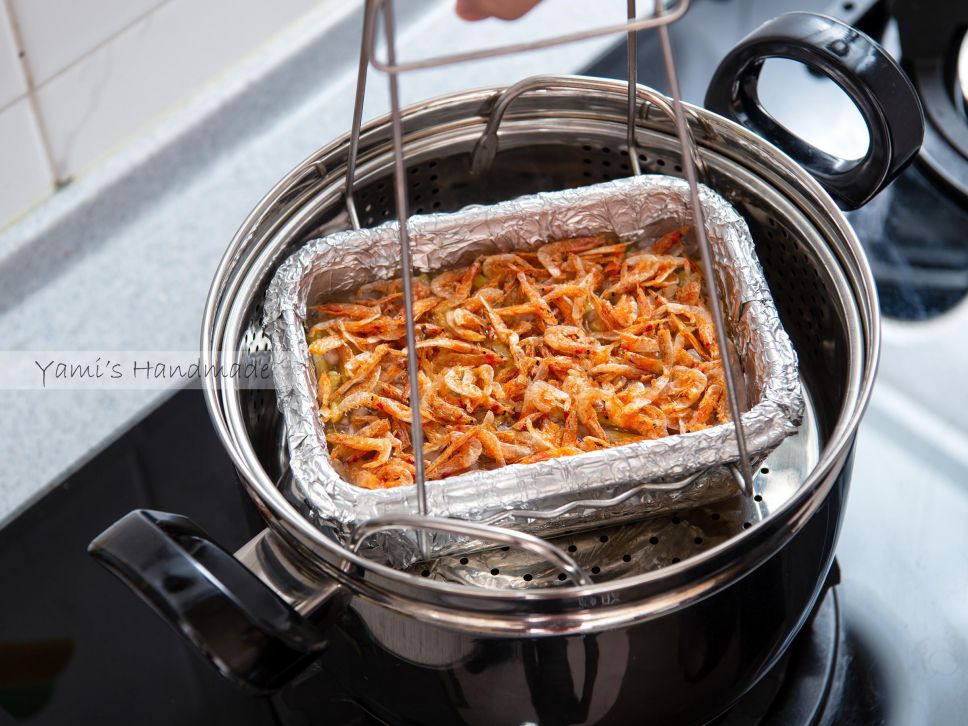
(113,36)
(203,96)
(31,97)
(14,101)
(32,88)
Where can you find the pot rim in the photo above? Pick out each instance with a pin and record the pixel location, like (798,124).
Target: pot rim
(595,606)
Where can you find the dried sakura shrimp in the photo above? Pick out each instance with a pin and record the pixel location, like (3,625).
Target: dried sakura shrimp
(581,345)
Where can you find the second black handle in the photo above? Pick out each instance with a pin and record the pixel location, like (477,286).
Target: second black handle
(871,78)
(241,626)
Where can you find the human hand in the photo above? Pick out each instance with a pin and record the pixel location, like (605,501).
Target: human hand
(503,9)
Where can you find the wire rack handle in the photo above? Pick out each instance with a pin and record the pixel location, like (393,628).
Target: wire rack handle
(487,146)
(662,16)
(368,57)
(660,19)
(498,535)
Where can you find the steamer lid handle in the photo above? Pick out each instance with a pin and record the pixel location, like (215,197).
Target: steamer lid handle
(871,78)
(229,615)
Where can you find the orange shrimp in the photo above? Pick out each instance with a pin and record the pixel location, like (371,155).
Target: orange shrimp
(365,399)
(321,346)
(666,242)
(706,407)
(583,344)
(585,409)
(465,325)
(551,255)
(545,398)
(569,339)
(541,308)
(382,447)
(353,311)
(497,265)
(684,388)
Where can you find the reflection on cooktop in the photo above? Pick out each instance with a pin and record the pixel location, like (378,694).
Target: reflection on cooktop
(75,645)
(914,234)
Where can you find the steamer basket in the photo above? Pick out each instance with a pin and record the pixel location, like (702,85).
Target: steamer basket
(554,139)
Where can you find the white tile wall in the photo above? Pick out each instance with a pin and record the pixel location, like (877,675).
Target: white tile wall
(12,82)
(56,33)
(100,71)
(24,175)
(126,83)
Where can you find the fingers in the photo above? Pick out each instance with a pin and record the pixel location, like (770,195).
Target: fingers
(503,9)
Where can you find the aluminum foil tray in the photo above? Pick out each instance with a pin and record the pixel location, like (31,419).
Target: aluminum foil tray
(642,207)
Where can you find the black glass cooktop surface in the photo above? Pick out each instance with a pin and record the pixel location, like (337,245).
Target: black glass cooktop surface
(76,646)
(914,234)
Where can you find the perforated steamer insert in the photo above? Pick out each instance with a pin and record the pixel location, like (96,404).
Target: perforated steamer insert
(615,551)
(532,160)
(442,184)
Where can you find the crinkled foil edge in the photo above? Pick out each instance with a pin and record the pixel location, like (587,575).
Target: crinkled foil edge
(644,206)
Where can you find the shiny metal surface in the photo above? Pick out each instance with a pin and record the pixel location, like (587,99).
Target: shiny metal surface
(357,122)
(487,146)
(684,667)
(406,274)
(544,493)
(751,172)
(368,55)
(689,156)
(675,9)
(962,71)
(535,546)
(632,72)
(617,551)
(269,558)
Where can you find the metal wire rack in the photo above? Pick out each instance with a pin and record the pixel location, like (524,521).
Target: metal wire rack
(663,14)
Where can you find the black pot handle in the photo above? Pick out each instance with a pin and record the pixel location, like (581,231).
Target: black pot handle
(252,636)
(866,73)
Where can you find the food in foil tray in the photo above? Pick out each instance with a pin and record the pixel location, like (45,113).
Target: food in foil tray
(579,345)
(526,356)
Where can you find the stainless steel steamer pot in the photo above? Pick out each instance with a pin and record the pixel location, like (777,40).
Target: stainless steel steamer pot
(677,644)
